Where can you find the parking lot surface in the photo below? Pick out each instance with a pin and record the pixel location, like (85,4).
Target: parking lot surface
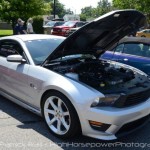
(21,129)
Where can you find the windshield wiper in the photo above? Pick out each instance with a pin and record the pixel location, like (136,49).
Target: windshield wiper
(52,63)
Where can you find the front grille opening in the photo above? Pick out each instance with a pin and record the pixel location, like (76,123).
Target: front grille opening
(137,98)
(133,99)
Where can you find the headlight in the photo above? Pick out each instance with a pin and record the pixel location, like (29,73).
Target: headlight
(108,100)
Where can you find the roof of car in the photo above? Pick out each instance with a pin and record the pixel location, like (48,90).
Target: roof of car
(135,39)
(28,37)
(132,40)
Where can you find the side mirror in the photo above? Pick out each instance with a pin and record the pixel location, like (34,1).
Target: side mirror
(16,58)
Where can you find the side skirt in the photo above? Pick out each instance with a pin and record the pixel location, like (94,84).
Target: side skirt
(21,103)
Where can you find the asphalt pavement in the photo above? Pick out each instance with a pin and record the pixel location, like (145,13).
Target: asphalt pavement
(22,130)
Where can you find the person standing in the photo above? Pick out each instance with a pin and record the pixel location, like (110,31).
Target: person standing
(29,26)
(19,27)
(22,29)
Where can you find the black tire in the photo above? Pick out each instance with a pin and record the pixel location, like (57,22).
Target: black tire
(75,128)
(143,36)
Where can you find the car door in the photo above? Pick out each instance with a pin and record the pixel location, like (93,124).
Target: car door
(113,54)
(13,74)
(3,68)
(137,55)
(134,54)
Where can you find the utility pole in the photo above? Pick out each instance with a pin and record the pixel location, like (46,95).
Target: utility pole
(54,8)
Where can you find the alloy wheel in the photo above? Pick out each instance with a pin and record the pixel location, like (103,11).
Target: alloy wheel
(57,115)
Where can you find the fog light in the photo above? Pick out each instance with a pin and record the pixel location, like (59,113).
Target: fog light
(95,123)
(99,125)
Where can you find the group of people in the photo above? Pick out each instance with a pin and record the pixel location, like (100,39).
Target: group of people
(21,29)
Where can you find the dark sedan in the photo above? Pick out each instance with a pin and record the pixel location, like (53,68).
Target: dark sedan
(133,51)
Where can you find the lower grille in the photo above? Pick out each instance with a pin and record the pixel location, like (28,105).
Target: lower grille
(56,29)
(132,126)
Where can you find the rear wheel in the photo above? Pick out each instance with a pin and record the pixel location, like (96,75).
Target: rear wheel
(143,36)
(60,116)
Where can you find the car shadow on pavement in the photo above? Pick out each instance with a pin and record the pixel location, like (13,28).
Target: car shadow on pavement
(27,120)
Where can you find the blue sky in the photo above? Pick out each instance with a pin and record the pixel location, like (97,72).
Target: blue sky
(76,5)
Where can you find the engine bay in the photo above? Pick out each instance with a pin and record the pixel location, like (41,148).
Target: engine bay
(105,76)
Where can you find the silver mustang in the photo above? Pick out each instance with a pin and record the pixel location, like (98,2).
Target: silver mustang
(64,81)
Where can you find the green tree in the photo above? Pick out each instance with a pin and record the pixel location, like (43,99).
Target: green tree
(47,1)
(142,6)
(83,17)
(124,4)
(68,11)
(59,8)
(103,6)
(11,10)
(87,11)
(47,8)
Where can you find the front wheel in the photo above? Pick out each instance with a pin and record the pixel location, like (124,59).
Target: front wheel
(60,115)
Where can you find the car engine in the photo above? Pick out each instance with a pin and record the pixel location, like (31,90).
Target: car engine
(105,76)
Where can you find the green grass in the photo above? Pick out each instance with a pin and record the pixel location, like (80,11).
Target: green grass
(5,32)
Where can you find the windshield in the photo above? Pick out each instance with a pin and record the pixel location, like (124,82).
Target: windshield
(51,23)
(41,49)
(69,23)
(59,23)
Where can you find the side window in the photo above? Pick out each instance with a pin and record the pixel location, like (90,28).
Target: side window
(56,24)
(10,48)
(133,49)
(77,24)
(119,48)
(146,51)
(80,24)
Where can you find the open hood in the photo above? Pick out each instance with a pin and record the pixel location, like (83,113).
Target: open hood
(100,34)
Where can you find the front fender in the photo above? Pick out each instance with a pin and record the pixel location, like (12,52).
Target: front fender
(75,91)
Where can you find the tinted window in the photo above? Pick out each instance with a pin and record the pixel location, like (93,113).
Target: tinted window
(51,23)
(10,48)
(146,50)
(69,23)
(137,49)
(146,31)
(119,48)
(80,24)
(40,49)
(59,23)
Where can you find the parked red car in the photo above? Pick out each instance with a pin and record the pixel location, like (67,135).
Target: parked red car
(64,29)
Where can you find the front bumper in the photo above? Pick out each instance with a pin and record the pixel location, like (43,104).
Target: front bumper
(117,118)
(58,33)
